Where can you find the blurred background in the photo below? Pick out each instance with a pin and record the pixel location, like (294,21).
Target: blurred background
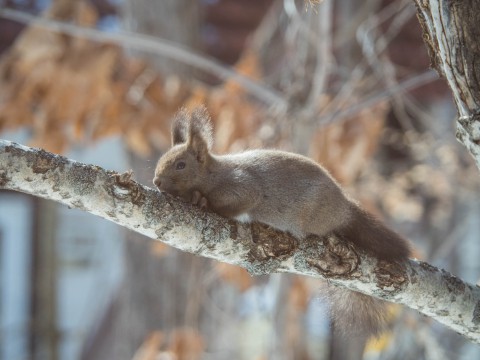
(344,82)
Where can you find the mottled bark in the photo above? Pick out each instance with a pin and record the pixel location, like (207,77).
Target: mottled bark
(451,33)
(256,247)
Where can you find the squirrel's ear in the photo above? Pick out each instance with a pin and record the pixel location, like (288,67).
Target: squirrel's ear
(180,127)
(201,125)
(200,133)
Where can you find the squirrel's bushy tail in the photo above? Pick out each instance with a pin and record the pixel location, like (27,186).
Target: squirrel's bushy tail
(370,234)
(352,312)
(355,314)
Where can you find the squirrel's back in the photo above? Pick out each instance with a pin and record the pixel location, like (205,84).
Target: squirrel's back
(293,191)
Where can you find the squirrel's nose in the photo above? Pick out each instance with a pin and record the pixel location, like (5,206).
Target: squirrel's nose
(157,182)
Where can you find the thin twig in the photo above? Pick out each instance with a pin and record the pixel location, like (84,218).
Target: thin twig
(323,55)
(374,43)
(411,83)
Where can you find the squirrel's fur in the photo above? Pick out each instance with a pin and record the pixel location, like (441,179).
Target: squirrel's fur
(287,191)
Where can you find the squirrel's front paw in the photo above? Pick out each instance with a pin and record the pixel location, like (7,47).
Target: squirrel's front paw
(199,199)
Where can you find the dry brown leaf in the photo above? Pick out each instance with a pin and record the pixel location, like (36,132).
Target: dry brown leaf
(150,347)
(85,91)
(137,140)
(248,65)
(55,142)
(299,294)
(159,249)
(343,148)
(85,14)
(82,91)
(197,97)
(35,46)
(158,128)
(186,344)
(234,275)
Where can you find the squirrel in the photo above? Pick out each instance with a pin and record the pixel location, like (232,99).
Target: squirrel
(287,191)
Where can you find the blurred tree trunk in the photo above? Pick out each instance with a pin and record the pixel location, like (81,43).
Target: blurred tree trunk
(44,279)
(161,18)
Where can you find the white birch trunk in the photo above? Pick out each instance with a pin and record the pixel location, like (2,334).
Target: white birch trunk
(451,33)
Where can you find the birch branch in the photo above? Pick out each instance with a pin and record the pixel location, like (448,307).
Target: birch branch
(451,33)
(256,247)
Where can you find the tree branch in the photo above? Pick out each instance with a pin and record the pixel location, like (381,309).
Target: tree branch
(451,33)
(256,247)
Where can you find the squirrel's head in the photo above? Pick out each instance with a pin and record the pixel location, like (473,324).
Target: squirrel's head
(183,168)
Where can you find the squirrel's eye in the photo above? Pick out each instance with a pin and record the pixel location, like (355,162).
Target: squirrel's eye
(180,165)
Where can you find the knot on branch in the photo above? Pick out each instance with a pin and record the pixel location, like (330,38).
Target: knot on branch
(124,180)
(390,275)
(44,162)
(125,187)
(269,244)
(338,258)
(269,249)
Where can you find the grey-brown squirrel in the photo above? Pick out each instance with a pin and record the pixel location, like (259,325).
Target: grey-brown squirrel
(287,191)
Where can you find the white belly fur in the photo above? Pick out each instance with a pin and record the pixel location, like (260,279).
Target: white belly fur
(243,218)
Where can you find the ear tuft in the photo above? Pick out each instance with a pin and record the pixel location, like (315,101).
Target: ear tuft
(180,127)
(201,126)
